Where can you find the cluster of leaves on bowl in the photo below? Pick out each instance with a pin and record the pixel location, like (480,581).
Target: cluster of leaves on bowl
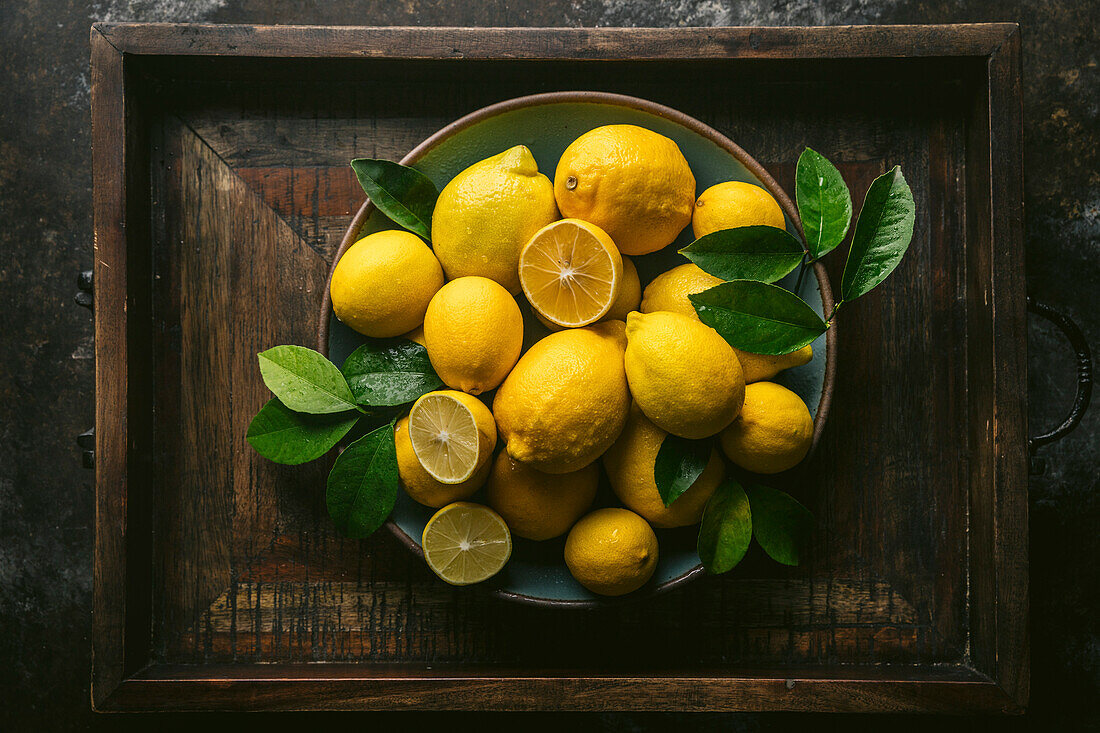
(317,405)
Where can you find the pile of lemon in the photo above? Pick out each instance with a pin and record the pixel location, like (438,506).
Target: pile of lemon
(617,371)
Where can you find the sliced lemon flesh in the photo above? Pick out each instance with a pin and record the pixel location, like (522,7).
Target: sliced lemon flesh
(466,543)
(570,271)
(452,435)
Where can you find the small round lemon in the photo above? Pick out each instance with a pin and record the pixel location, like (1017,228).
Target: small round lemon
(633,183)
(773,432)
(473,331)
(735,204)
(629,464)
(384,282)
(453,435)
(611,552)
(760,367)
(419,484)
(683,375)
(567,399)
(669,291)
(537,505)
(629,296)
(488,212)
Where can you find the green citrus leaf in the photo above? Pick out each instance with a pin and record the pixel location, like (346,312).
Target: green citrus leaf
(726,528)
(746,253)
(824,203)
(387,372)
(679,462)
(883,232)
(757,317)
(780,523)
(403,194)
(284,436)
(362,486)
(305,381)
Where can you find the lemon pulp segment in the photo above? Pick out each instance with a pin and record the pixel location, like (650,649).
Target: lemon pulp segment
(466,543)
(444,437)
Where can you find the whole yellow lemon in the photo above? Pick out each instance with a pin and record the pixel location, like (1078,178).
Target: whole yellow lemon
(383,283)
(420,485)
(473,331)
(566,400)
(486,214)
(629,464)
(537,505)
(669,291)
(683,375)
(735,204)
(611,552)
(774,431)
(633,183)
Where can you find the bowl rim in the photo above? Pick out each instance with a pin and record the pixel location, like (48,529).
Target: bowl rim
(644,105)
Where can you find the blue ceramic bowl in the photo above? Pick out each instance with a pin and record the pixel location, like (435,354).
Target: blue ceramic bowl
(547,124)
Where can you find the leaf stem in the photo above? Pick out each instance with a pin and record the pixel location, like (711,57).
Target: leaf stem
(802,271)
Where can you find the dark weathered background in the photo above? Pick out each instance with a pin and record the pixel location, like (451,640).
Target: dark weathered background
(46,368)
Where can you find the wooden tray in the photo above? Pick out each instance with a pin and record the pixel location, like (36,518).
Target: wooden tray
(221,192)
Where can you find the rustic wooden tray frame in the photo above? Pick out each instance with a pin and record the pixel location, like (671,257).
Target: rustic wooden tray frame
(996,677)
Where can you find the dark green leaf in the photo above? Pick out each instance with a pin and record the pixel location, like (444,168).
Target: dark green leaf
(403,194)
(679,462)
(824,203)
(883,232)
(386,372)
(757,317)
(780,523)
(362,486)
(305,381)
(279,434)
(726,529)
(746,253)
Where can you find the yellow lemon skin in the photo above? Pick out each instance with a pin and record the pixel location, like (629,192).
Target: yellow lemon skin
(735,204)
(611,552)
(537,505)
(773,432)
(567,399)
(633,183)
(683,375)
(760,367)
(383,283)
(419,484)
(629,464)
(416,335)
(473,331)
(629,295)
(669,291)
(486,214)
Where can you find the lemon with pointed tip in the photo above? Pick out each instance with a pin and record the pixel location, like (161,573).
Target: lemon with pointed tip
(485,215)
(383,283)
(571,272)
(682,374)
(632,182)
(735,204)
(566,400)
(466,543)
(419,484)
(473,331)
(629,465)
(452,434)
(537,505)
(611,552)
(774,431)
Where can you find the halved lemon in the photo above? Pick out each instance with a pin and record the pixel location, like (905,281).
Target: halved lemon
(452,434)
(466,543)
(570,271)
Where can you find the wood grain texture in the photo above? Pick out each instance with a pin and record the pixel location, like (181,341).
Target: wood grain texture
(911,597)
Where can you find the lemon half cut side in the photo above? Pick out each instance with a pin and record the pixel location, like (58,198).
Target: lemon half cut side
(571,272)
(466,543)
(452,434)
